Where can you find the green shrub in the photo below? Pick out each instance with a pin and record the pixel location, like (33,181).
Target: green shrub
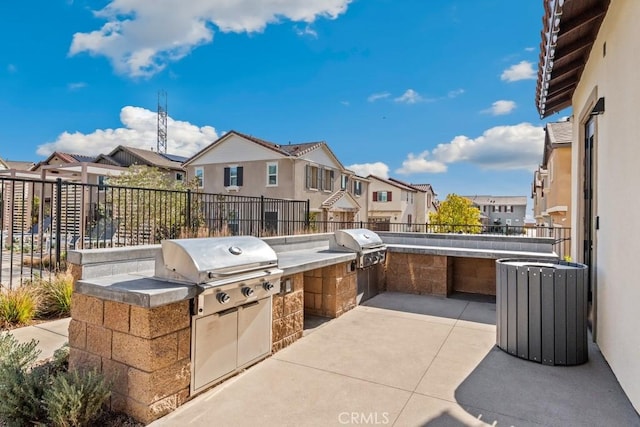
(19,355)
(55,294)
(46,394)
(21,388)
(18,306)
(75,399)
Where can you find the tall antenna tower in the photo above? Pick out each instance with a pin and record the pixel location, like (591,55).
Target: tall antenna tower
(162,122)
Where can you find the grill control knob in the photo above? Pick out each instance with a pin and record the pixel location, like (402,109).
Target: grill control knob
(223,298)
(247,292)
(267,286)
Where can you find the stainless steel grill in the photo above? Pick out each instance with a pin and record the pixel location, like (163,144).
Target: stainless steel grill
(231,322)
(367,244)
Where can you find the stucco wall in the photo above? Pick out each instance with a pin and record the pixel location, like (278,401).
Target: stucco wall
(617,245)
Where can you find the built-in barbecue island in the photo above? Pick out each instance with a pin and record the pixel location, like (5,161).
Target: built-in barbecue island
(166,322)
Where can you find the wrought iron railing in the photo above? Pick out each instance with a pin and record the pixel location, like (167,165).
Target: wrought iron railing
(41,220)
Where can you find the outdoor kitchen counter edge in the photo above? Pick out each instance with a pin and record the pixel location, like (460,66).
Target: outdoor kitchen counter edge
(468,252)
(144,290)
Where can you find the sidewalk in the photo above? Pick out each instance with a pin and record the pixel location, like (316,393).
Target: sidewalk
(50,335)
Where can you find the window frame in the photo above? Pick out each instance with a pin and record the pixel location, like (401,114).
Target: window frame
(269,174)
(199,176)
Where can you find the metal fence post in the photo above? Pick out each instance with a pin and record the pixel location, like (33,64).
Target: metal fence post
(307,218)
(58,221)
(261,215)
(188,216)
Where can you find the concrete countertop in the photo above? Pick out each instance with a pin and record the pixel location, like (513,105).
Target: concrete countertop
(144,290)
(141,289)
(293,262)
(469,252)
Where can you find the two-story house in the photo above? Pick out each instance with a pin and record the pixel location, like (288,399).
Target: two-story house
(430,199)
(394,201)
(556,160)
(538,186)
(240,164)
(501,210)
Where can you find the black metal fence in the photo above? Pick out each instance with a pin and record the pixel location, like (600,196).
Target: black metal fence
(41,220)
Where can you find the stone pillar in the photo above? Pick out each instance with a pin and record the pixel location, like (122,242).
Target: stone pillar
(145,353)
(330,291)
(419,273)
(288,313)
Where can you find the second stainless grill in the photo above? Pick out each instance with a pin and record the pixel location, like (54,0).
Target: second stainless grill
(367,244)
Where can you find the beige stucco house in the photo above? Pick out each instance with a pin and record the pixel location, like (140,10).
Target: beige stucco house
(552,180)
(430,200)
(393,201)
(240,164)
(540,182)
(589,61)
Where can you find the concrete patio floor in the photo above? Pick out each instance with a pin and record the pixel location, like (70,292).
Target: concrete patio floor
(408,360)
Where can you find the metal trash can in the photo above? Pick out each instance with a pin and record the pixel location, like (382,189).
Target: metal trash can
(541,310)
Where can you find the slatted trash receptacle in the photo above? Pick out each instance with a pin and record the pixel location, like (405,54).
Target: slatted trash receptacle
(541,310)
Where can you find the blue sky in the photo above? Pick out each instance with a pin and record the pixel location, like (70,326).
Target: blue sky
(423,91)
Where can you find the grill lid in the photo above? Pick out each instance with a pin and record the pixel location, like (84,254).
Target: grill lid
(205,259)
(358,239)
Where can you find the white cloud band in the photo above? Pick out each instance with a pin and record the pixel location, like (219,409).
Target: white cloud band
(141,37)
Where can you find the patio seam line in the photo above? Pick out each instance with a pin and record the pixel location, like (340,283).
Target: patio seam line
(342,375)
(428,367)
(411,317)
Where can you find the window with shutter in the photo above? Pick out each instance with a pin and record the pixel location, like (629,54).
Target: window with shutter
(388,196)
(239,176)
(375,196)
(307,171)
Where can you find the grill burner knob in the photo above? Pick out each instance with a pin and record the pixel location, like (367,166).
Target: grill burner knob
(247,292)
(223,298)
(267,286)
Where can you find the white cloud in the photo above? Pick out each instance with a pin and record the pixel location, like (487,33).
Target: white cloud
(345,103)
(365,169)
(501,107)
(523,70)
(455,93)
(409,97)
(529,49)
(139,130)
(501,147)
(306,31)
(76,85)
(421,164)
(12,68)
(377,96)
(140,37)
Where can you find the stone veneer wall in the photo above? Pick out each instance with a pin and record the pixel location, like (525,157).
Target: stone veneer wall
(144,352)
(330,291)
(419,273)
(288,313)
(474,275)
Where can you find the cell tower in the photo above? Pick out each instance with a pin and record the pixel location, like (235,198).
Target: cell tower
(162,122)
